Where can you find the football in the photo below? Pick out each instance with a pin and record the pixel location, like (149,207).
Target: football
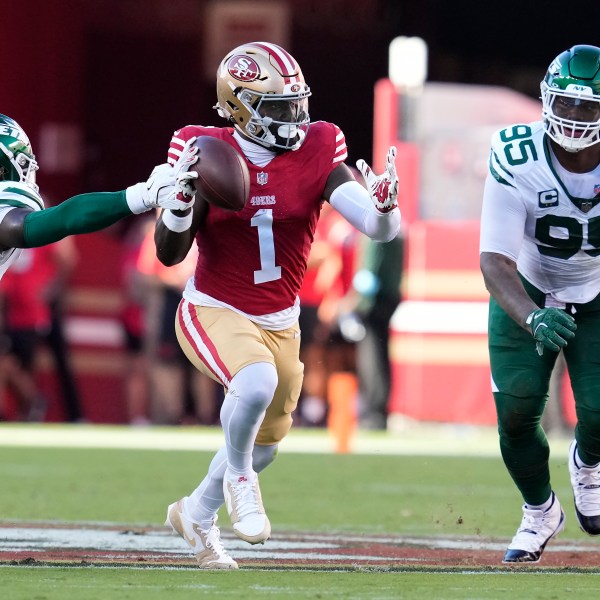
(223,177)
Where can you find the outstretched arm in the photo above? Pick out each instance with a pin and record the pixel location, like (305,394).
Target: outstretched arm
(25,228)
(85,213)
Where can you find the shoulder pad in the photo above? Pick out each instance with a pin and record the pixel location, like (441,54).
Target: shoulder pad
(516,149)
(13,193)
(324,130)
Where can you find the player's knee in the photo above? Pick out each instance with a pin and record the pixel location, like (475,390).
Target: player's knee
(513,426)
(255,385)
(518,416)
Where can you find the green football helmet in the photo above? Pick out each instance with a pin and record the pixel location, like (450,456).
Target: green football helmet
(571,98)
(17,161)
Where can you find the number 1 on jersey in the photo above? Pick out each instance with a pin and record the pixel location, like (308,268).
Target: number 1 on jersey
(263,221)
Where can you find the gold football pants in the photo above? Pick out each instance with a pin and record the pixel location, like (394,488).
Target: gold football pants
(220,342)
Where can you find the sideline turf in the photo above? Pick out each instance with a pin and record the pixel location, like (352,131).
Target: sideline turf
(370,493)
(362,493)
(105,584)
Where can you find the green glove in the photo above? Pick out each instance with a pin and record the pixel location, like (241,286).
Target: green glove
(551,328)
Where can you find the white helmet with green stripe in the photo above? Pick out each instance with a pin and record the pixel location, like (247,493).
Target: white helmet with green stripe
(571,98)
(17,161)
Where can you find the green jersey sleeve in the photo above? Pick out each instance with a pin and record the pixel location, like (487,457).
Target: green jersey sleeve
(84,213)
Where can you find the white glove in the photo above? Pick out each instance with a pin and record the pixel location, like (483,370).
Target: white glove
(185,192)
(168,186)
(382,188)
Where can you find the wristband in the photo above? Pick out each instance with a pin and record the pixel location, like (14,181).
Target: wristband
(529,319)
(134,195)
(176,224)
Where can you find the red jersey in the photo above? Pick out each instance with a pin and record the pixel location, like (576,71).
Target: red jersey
(255,259)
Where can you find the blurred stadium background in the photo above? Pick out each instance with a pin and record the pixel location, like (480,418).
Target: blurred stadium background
(100,86)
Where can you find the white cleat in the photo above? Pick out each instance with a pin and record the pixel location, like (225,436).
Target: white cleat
(245,508)
(586,492)
(206,545)
(537,528)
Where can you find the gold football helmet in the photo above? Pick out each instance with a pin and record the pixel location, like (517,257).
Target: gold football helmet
(261,91)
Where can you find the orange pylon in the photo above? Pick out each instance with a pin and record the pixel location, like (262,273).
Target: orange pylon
(342,389)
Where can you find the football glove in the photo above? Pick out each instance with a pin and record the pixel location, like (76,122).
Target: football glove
(185,192)
(552,328)
(168,186)
(382,188)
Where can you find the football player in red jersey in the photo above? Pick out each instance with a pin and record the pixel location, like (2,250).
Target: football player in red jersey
(238,319)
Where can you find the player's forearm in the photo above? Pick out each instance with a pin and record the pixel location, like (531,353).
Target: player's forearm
(353,202)
(171,246)
(174,233)
(505,286)
(84,213)
(382,227)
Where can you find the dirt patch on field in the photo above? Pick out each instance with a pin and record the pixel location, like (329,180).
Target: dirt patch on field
(101,545)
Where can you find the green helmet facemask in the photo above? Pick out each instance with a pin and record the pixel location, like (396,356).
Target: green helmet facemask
(17,161)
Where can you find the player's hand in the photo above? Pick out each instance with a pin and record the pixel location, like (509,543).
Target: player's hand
(153,193)
(171,187)
(551,328)
(382,188)
(184,192)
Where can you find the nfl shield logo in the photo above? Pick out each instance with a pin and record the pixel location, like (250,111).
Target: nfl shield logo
(597,189)
(262,178)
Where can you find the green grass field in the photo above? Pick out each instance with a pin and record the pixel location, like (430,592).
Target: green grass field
(371,493)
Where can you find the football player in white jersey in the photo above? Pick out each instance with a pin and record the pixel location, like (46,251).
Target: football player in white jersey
(540,258)
(24,223)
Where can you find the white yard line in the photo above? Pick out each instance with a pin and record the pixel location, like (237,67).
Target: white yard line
(291,547)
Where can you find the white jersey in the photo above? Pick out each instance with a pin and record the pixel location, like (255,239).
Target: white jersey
(542,216)
(15,195)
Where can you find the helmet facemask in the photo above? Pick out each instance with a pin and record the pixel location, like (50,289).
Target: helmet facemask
(571,117)
(276,120)
(17,161)
(22,166)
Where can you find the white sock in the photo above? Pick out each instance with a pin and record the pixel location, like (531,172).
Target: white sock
(249,394)
(204,502)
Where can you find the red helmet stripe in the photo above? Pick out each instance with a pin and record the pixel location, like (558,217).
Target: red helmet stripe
(286,62)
